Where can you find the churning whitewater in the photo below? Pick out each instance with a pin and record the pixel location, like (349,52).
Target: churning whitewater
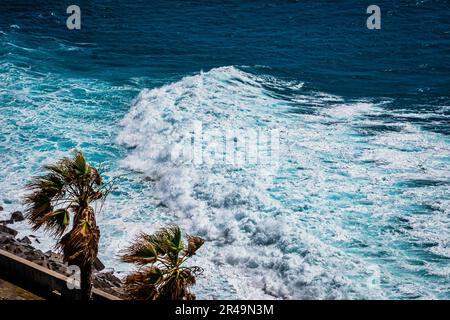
(354,205)
(322,167)
(336,218)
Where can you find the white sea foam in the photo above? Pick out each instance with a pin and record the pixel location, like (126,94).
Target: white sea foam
(282,232)
(345,214)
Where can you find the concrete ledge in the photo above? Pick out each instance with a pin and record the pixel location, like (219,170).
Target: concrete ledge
(41,281)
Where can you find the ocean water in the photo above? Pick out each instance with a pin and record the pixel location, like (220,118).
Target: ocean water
(355,205)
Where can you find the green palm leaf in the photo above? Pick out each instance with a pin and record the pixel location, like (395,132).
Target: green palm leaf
(141,252)
(56,221)
(163,276)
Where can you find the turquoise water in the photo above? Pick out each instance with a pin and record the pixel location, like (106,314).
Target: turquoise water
(356,206)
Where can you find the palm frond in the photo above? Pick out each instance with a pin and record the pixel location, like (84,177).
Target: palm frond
(166,240)
(141,251)
(142,284)
(164,277)
(194,243)
(55,222)
(79,164)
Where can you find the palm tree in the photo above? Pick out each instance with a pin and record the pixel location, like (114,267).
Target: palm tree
(68,188)
(162,275)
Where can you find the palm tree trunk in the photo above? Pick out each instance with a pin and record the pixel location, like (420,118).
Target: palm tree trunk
(86,282)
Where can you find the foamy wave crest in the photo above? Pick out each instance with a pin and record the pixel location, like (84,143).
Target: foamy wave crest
(257,242)
(320,224)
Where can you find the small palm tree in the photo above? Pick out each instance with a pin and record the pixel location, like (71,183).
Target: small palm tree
(162,275)
(68,188)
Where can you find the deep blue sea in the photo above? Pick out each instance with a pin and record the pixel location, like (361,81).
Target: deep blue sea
(358,203)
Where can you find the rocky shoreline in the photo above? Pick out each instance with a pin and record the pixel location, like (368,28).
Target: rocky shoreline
(23,248)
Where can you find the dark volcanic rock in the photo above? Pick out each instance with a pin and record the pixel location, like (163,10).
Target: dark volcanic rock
(108,282)
(23,248)
(6,239)
(17,216)
(34,255)
(5,229)
(98,265)
(1,208)
(53,256)
(25,240)
(34,237)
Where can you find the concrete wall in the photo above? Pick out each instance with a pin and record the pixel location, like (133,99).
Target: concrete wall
(41,281)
